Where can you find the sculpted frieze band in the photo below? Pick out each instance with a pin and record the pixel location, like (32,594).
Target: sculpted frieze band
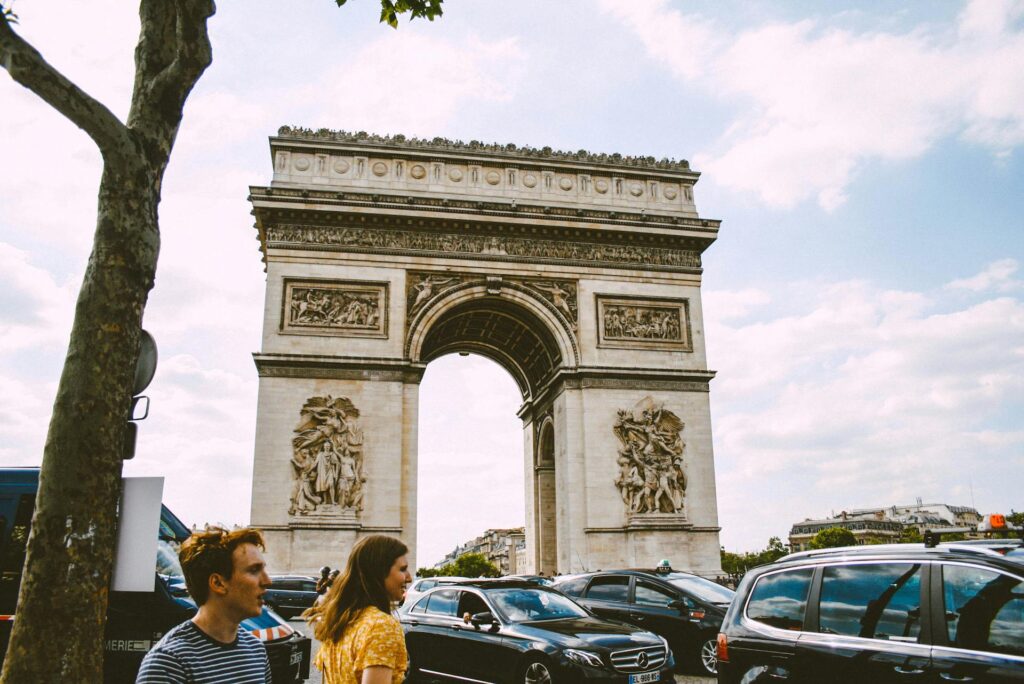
(335,308)
(374,239)
(327,459)
(651,476)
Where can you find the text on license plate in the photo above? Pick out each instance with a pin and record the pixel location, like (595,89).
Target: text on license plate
(643,678)
(297,658)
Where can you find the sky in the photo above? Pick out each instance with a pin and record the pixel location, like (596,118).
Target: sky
(864,303)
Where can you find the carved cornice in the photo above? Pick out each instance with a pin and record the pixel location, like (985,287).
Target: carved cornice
(601,377)
(335,368)
(485,208)
(509,152)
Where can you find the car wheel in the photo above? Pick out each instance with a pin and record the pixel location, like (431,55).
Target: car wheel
(535,672)
(707,657)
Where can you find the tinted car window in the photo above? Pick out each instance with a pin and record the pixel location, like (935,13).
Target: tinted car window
(443,602)
(421,605)
(874,601)
(613,588)
(471,603)
(518,605)
(703,589)
(648,594)
(307,585)
(779,599)
(984,610)
(573,587)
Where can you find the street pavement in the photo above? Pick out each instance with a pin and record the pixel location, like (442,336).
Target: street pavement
(316,678)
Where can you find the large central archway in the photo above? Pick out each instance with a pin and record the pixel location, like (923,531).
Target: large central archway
(579,274)
(515,330)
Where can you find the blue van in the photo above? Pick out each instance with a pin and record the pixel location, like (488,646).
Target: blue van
(135,620)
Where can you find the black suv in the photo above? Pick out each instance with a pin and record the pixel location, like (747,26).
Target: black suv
(895,613)
(289,595)
(687,610)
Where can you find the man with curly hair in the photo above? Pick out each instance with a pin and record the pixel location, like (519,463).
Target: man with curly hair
(227,577)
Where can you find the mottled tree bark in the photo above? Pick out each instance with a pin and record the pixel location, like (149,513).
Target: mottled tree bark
(58,630)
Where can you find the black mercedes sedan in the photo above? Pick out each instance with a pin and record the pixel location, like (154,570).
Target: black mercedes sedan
(506,631)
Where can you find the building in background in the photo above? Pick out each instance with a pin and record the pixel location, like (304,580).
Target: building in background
(886,524)
(505,547)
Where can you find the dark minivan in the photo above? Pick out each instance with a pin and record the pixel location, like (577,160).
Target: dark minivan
(135,620)
(879,614)
(686,609)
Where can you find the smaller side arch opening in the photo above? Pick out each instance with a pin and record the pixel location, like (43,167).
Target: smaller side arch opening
(546,500)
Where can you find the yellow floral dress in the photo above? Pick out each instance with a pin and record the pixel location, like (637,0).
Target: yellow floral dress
(373,638)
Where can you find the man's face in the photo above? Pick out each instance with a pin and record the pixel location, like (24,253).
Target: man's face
(248,582)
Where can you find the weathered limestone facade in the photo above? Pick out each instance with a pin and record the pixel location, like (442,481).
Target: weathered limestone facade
(578,273)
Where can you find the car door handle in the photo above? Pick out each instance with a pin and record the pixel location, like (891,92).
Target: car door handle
(457,628)
(953,678)
(908,670)
(414,623)
(640,618)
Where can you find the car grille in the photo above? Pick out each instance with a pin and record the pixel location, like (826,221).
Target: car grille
(639,659)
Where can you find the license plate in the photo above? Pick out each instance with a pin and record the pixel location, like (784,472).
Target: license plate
(297,658)
(643,678)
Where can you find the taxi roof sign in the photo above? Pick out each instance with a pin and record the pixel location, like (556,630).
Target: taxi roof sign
(995,522)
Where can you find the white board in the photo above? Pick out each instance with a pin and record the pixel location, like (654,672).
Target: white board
(138,526)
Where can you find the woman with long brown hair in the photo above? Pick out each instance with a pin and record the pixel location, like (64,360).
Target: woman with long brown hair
(360,641)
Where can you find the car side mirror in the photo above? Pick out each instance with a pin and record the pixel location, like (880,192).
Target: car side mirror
(486,619)
(679,605)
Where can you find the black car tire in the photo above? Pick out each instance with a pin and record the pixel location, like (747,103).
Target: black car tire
(535,671)
(706,658)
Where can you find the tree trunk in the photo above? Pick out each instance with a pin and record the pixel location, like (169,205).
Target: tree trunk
(62,604)
(58,632)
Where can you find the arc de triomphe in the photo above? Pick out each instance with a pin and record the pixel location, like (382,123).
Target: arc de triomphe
(578,273)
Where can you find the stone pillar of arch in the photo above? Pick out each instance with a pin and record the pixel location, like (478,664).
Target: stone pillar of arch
(578,273)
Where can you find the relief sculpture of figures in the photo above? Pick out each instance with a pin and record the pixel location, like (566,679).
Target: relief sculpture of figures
(562,298)
(425,290)
(642,323)
(421,288)
(327,458)
(338,308)
(651,476)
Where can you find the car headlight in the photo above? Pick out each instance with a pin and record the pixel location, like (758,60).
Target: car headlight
(583,657)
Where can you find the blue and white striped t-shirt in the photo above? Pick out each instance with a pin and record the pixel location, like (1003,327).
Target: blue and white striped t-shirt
(187,655)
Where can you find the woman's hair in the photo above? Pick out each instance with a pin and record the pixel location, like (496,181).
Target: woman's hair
(361,585)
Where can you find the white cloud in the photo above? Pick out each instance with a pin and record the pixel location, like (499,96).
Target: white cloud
(998,276)
(35,310)
(820,102)
(864,397)
(374,92)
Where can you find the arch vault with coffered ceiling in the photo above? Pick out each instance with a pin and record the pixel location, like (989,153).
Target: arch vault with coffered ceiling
(578,273)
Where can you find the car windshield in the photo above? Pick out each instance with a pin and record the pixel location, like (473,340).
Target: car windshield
(706,590)
(167,559)
(521,605)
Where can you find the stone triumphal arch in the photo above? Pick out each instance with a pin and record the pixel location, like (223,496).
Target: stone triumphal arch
(578,273)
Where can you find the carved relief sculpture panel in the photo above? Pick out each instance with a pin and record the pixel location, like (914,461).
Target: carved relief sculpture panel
(327,459)
(422,287)
(651,323)
(651,477)
(350,309)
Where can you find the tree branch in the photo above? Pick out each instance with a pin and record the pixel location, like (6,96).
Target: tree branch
(173,52)
(27,67)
